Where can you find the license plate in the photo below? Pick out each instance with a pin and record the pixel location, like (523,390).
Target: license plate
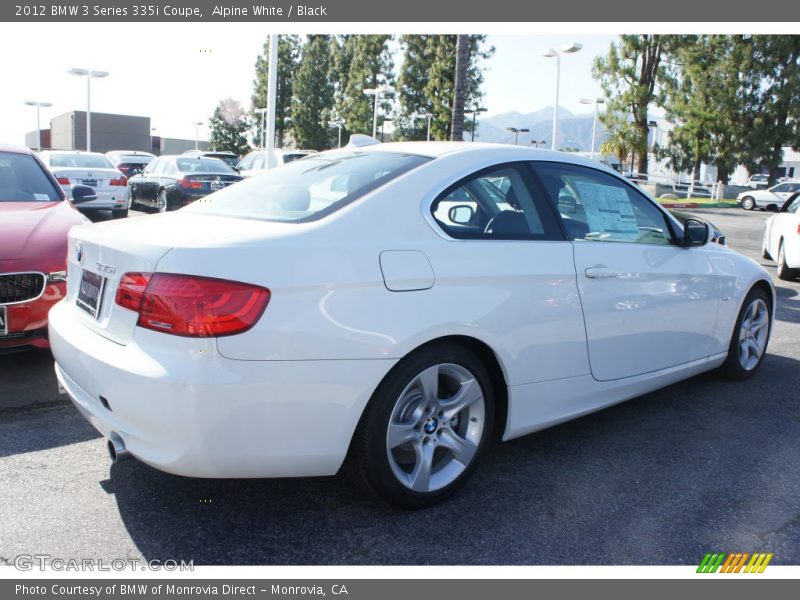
(3,321)
(90,182)
(90,292)
(217,185)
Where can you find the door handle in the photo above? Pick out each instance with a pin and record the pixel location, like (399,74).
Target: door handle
(601,273)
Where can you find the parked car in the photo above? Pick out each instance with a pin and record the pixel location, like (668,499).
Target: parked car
(782,238)
(256,162)
(34,219)
(771,199)
(759,181)
(171,182)
(130,162)
(450,292)
(92,169)
(229,158)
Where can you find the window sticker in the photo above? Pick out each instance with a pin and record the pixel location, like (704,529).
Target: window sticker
(609,212)
(41,197)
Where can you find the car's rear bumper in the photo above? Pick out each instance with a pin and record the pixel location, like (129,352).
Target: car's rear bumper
(182,408)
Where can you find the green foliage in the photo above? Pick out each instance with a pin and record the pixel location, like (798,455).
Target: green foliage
(228,126)
(313,94)
(427,82)
(288,56)
(624,140)
(629,75)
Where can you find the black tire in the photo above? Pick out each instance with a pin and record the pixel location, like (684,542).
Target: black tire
(737,366)
(748,203)
(765,254)
(162,203)
(119,213)
(785,272)
(380,467)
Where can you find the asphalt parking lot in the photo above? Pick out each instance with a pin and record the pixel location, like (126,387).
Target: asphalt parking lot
(703,465)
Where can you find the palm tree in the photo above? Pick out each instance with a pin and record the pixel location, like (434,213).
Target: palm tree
(462,63)
(624,141)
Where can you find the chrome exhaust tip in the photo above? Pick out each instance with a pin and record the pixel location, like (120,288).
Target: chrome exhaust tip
(116,448)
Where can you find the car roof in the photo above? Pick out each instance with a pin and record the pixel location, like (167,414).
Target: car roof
(73,152)
(15,148)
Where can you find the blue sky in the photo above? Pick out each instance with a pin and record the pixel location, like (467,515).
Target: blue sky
(180,78)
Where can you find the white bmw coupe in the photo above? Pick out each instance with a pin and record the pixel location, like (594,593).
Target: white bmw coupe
(393,307)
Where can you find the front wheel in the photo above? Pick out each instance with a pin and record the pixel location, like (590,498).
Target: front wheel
(425,427)
(119,213)
(748,203)
(750,336)
(785,272)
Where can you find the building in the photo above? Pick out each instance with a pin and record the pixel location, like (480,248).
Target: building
(109,132)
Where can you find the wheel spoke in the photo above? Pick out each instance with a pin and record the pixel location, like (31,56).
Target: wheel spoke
(759,321)
(399,434)
(420,477)
(429,382)
(755,351)
(463,450)
(470,392)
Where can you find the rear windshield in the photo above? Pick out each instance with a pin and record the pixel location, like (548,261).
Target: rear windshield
(309,189)
(202,165)
(289,157)
(23,180)
(80,161)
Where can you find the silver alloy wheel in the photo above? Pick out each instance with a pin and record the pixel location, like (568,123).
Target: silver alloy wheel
(753,334)
(748,203)
(435,428)
(162,201)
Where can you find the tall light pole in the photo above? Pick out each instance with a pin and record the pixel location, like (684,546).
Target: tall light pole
(537,142)
(516,132)
(152,131)
(427,116)
(570,48)
(338,123)
(263,113)
(382,91)
(475,111)
(597,102)
(38,105)
(196,132)
(89,74)
(272,102)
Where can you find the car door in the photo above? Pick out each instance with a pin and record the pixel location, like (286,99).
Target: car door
(785,225)
(649,303)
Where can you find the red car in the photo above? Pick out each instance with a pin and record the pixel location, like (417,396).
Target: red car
(35,217)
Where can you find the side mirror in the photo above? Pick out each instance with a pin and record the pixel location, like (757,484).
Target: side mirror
(83,193)
(461,214)
(695,232)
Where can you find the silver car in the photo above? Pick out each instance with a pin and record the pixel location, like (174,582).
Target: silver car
(73,167)
(771,199)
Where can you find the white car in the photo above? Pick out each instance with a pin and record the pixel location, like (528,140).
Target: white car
(256,162)
(92,169)
(452,292)
(782,238)
(772,198)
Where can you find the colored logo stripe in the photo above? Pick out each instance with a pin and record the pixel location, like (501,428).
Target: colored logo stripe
(734,563)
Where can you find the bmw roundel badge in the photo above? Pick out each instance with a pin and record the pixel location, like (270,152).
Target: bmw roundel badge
(79,252)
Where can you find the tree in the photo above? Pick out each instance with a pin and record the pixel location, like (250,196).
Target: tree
(369,65)
(459,88)
(624,140)
(313,94)
(709,80)
(427,82)
(629,74)
(774,121)
(229,125)
(288,55)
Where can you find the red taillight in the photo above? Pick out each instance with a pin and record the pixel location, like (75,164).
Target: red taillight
(192,306)
(63,180)
(119,181)
(123,170)
(190,184)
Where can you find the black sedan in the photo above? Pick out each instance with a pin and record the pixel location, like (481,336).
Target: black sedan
(171,182)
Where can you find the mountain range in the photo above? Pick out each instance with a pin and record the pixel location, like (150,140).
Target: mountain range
(574,131)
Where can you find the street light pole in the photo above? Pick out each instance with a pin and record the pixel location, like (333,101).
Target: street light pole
(38,106)
(89,74)
(196,133)
(516,132)
(570,48)
(597,102)
(379,92)
(263,112)
(475,111)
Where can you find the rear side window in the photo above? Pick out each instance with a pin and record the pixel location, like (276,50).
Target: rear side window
(23,180)
(597,207)
(496,203)
(202,165)
(309,189)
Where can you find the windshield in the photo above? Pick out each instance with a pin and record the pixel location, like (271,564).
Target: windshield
(23,180)
(311,188)
(81,161)
(203,165)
